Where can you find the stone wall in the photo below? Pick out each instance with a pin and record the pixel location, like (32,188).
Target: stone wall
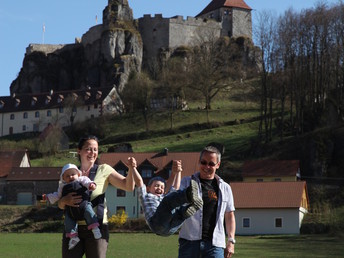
(155,34)
(45,48)
(192,31)
(242,23)
(165,33)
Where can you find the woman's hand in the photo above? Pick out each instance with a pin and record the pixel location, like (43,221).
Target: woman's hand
(71,199)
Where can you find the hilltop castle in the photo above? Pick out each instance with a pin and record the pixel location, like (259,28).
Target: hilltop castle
(219,18)
(95,69)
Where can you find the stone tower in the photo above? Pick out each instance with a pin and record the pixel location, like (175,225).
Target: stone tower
(234,15)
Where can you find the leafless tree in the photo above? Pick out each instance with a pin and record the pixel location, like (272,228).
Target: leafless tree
(137,93)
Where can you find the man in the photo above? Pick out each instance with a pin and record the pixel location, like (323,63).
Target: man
(203,234)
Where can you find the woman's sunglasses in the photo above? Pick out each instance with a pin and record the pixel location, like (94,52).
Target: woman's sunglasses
(210,164)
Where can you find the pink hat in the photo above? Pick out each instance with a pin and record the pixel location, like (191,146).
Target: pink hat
(69,166)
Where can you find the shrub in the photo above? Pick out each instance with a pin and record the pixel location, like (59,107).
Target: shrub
(118,219)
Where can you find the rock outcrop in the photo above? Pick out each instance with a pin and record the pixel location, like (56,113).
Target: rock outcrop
(103,57)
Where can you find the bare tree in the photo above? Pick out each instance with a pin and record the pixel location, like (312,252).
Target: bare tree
(137,93)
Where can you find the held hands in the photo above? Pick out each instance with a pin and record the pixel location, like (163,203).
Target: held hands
(177,166)
(132,162)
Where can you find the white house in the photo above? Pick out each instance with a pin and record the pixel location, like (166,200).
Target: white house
(21,113)
(269,207)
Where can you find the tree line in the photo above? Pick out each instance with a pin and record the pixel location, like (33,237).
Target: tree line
(302,69)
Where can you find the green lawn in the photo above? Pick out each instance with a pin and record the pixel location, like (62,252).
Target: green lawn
(149,245)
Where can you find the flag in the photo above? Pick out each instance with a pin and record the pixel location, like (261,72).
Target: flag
(43,27)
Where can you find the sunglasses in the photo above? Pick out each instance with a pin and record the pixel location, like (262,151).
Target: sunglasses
(210,164)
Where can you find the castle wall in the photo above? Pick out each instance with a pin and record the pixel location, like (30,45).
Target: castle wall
(155,34)
(163,33)
(241,23)
(192,31)
(45,48)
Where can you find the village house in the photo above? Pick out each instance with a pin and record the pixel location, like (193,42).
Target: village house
(8,160)
(149,165)
(24,184)
(271,170)
(269,207)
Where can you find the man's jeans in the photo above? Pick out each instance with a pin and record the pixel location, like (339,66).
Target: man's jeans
(199,248)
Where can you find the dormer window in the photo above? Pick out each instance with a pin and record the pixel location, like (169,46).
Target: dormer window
(33,101)
(2,104)
(99,94)
(17,102)
(60,99)
(75,96)
(87,95)
(47,100)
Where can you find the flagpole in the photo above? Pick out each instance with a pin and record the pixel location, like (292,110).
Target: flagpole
(43,29)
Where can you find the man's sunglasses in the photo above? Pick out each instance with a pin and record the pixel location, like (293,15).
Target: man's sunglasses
(210,164)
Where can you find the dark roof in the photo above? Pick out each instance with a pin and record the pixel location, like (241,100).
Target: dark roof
(159,160)
(217,4)
(270,194)
(268,167)
(10,159)
(39,101)
(34,174)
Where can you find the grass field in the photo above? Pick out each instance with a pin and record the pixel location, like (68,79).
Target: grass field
(124,245)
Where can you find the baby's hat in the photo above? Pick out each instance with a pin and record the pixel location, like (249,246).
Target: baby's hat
(69,166)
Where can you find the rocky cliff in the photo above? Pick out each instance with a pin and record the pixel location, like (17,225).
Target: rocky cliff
(103,57)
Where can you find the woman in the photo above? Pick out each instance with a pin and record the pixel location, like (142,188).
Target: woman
(102,175)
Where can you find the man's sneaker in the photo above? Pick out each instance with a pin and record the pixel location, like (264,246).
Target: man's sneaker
(190,210)
(96,233)
(73,242)
(192,195)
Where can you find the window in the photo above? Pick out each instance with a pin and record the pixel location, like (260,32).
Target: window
(88,108)
(36,127)
(245,222)
(278,179)
(37,114)
(120,193)
(12,117)
(278,222)
(260,180)
(146,173)
(60,109)
(49,113)
(11,130)
(25,115)
(134,210)
(118,208)
(121,171)
(24,128)
(95,106)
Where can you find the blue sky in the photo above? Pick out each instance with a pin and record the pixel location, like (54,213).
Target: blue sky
(21,22)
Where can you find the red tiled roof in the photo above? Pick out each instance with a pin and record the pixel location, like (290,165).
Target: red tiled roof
(34,174)
(10,159)
(269,194)
(217,4)
(159,160)
(254,168)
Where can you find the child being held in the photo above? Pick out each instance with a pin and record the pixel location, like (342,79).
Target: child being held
(164,207)
(71,180)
